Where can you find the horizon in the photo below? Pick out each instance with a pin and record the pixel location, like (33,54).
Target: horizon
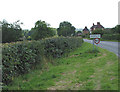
(78,13)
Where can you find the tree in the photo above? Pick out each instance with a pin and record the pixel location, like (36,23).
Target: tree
(114,30)
(41,30)
(108,31)
(11,32)
(66,29)
(117,29)
(78,33)
(98,31)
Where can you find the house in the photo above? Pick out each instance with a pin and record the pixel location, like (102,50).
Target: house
(98,26)
(78,33)
(86,30)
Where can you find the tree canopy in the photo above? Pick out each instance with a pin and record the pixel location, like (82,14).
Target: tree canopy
(116,29)
(66,29)
(42,30)
(98,31)
(11,32)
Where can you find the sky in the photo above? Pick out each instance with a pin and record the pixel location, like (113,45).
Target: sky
(79,13)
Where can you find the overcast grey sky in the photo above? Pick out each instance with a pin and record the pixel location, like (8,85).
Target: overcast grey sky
(79,13)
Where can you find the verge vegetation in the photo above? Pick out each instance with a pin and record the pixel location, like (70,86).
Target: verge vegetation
(81,69)
(21,57)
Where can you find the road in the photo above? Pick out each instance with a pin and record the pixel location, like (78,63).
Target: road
(111,46)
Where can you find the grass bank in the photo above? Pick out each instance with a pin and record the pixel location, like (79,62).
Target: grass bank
(80,70)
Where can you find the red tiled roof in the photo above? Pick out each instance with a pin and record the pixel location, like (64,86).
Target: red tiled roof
(97,26)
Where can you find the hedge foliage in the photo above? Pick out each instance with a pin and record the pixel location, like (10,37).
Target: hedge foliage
(58,46)
(111,37)
(19,58)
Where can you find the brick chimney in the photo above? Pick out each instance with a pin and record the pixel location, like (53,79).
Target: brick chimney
(85,27)
(98,23)
(93,24)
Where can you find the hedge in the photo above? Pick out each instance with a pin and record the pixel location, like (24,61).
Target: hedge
(56,47)
(111,37)
(20,57)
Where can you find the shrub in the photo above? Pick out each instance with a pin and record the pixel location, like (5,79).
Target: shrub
(111,36)
(86,36)
(98,31)
(20,57)
(56,47)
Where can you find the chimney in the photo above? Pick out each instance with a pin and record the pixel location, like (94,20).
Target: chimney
(98,23)
(93,24)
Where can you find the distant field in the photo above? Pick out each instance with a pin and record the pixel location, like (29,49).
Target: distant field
(80,70)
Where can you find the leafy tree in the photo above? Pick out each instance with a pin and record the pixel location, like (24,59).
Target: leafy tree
(54,31)
(98,31)
(66,29)
(78,33)
(114,30)
(11,32)
(108,31)
(41,30)
(117,29)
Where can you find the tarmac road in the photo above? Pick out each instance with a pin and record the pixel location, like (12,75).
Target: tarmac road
(111,46)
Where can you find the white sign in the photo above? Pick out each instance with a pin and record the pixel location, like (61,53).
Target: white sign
(95,36)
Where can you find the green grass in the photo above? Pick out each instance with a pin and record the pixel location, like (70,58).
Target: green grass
(80,70)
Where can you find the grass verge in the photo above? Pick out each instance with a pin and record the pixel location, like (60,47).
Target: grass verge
(80,70)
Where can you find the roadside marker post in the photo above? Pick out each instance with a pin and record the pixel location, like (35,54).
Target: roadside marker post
(93,44)
(96,39)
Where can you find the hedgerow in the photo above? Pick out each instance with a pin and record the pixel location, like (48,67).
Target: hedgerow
(111,36)
(20,57)
(56,47)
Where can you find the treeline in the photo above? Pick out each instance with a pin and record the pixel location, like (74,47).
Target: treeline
(114,30)
(109,33)
(112,34)
(12,32)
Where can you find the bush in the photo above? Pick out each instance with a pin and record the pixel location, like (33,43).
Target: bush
(56,47)
(98,31)
(111,36)
(86,36)
(20,57)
